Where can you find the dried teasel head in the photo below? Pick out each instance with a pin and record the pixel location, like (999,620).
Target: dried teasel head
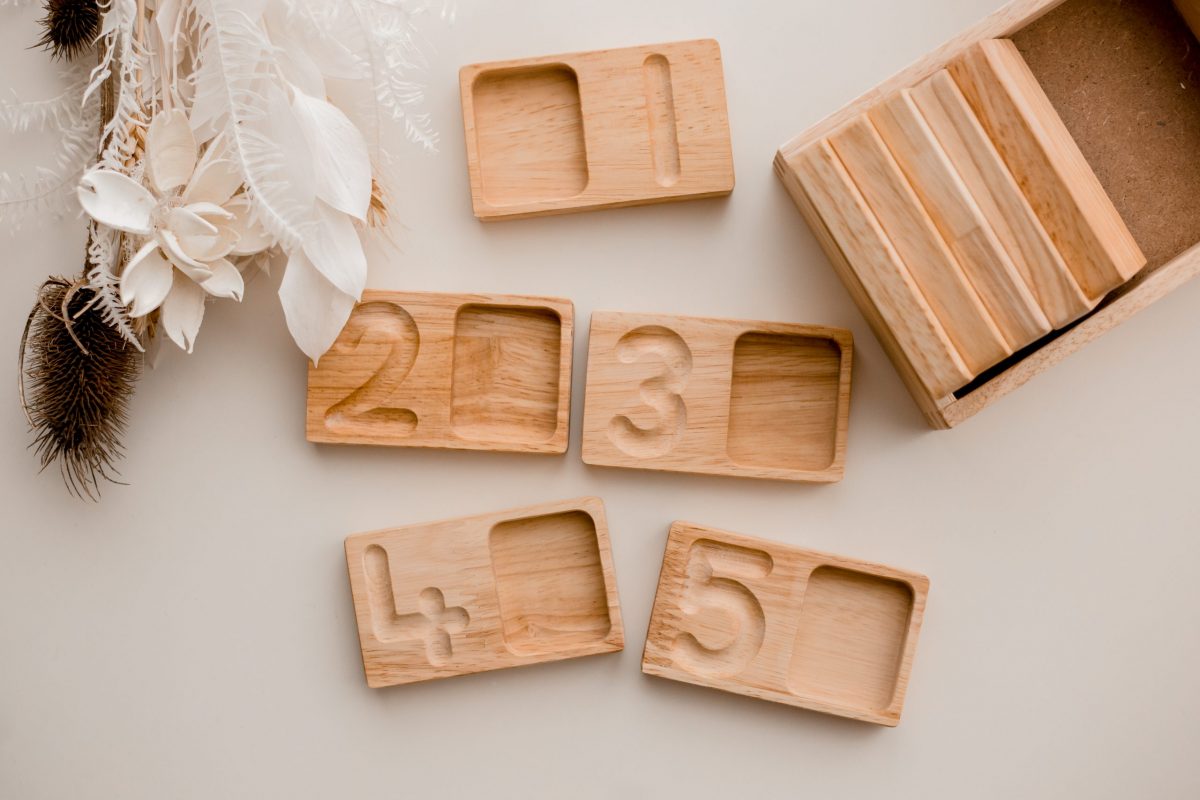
(70,27)
(77,375)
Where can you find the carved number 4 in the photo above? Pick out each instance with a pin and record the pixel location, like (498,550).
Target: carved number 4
(726,621)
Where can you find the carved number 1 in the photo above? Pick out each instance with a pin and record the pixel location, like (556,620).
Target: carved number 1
(713,601)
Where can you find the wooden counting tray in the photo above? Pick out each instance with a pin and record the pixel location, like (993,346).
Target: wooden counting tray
(463,371)
(717,396)
(758,618)
(1014,194)
(497,590)
(596,130)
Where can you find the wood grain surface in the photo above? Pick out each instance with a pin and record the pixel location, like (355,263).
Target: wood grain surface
(780,623)
(597,129)
(498,590)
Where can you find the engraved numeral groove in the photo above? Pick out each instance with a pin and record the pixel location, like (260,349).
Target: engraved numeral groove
(661,393)
(727,621)
(432,624)
(388,328)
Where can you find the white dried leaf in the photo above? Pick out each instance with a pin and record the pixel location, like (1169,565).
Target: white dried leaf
(336,251)
(315,309)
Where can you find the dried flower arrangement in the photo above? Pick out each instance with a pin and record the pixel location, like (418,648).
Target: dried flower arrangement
(229,134)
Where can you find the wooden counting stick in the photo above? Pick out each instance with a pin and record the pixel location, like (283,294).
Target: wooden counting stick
(1042,155)
(871,261)
(779,623)
(598,129)
(1000,199)
(462,371)
(715,396)
(497,590)
(936,271)
(959,220)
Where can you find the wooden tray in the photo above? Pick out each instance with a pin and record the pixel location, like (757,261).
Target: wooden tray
(463,371)
(479,593)
(1132,114)
(767,620)
(717,396)
(596,130)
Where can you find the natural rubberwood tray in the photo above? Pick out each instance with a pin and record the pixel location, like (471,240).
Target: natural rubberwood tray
(497,590)
(779,623)
(717,396)
(462,371)
(599,129)
(1120,75)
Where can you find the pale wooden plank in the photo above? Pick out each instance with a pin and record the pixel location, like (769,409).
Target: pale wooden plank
(936,271)
(1056,178)
(885,278)
(960,222)
(1000,199)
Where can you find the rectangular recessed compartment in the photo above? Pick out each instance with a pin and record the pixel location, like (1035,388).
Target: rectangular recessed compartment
(780,623)
(717,396)
(506,373)
(550,582)
(530,135)
(850,640)
(497,590)
(463,371)
(784,401)
(1132,116)
(597,129)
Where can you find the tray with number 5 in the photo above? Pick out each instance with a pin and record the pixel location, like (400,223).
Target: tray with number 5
(771,621)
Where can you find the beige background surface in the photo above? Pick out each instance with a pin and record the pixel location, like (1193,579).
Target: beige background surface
(192,636)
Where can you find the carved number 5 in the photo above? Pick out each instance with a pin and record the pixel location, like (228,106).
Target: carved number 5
(725,620)
(388,332)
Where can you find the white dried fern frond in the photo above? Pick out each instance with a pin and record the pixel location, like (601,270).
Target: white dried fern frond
(103,252)
(48,192)
(393,53)
(61,111)
(377,43)
(122,59)
(119,137)
(236,63)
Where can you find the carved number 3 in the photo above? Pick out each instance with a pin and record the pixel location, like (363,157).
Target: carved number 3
(377,329)
(721,609)
(662,393)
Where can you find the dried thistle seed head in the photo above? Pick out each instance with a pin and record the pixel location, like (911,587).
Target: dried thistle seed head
(70,27)
(78,375)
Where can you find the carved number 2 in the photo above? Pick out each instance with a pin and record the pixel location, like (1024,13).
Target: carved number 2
(371,325)
(713,602)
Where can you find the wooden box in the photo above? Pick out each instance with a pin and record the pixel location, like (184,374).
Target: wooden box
(463,371)
(487,592)
(717,396)
(1118,79)
(767,620)
(596,130)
